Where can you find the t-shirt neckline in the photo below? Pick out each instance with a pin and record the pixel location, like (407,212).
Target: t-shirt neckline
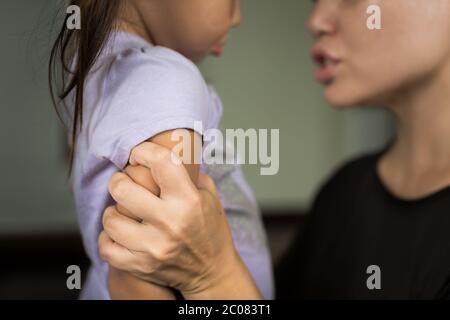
(445,191)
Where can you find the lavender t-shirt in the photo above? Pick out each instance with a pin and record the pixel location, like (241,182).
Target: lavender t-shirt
(135,91)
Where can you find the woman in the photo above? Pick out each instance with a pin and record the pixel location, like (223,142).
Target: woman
(386,212)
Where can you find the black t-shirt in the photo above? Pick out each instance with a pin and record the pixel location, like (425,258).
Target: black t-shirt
(356,223)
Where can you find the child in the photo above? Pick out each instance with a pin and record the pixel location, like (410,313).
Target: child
(133,78)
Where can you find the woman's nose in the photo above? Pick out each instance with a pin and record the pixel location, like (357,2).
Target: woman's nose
(322,20)
(236,19)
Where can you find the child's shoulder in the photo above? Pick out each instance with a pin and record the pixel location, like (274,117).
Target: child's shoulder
(141,63)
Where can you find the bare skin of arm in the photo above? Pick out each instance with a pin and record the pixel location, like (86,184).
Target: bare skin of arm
(123,285)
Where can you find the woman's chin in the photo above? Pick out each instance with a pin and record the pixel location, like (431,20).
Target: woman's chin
(342,98)
(338,101)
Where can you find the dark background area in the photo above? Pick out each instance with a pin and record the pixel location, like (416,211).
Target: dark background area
(34,266)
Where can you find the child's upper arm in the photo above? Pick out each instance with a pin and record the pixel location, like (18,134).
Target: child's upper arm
(147,97)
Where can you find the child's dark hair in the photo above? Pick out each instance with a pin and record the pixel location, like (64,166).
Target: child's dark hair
(98,19)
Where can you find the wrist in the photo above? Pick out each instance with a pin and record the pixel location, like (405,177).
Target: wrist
(230,280)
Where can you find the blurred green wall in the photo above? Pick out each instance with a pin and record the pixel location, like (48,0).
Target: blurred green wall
(264,79)
(33,189)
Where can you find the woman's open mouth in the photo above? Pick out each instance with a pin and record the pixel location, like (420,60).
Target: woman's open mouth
(327,65)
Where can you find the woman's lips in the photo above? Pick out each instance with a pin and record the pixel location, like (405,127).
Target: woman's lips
(326,74)
(327,65)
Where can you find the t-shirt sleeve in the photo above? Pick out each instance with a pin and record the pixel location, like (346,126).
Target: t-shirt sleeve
(144,95)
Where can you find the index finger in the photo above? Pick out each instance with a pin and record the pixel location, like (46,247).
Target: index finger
(167,169)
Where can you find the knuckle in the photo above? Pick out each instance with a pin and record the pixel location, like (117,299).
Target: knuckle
(139,152)
(107,215)
(160,255)
(136,151)
(179,230)
(113,181)
(119,188)
(109,225)
(109,221)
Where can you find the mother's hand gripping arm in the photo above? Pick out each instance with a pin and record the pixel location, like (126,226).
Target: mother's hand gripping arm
(122,284)
(184,241)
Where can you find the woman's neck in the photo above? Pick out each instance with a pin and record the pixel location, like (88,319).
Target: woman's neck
(419,161)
